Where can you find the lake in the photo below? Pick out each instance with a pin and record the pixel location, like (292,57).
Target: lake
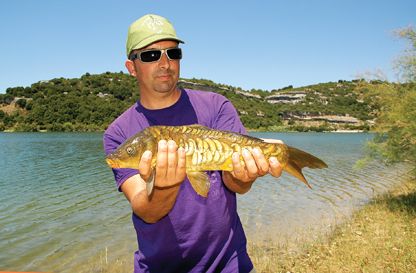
(61,212)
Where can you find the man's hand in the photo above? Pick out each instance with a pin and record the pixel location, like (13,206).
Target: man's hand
(170,165)
(254,166)
(169,174)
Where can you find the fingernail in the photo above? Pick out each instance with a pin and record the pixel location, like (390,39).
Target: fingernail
(147,154)
(246,152)
(162,143)
(171,142)
(273,160)
(171,145)
(256,151)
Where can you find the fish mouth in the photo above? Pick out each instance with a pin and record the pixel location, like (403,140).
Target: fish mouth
(112,163)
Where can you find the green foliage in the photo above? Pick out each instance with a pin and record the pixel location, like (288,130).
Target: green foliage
(331,98)
(287,87)
(6,98)
(86,104)
(396,126)
(21,103)
(406,64)
(91,102)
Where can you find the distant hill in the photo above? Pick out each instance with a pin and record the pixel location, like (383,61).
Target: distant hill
(91,102)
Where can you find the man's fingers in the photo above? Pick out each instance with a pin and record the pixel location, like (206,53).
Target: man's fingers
(251,165)
(170,165)
(255,165)
(181,168)
(238,168)
(162,158)
(275,167)
(261,162)
(172,159)
(145,165)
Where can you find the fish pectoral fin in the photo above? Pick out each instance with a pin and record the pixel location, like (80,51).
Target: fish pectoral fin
(200,182)
(150,183)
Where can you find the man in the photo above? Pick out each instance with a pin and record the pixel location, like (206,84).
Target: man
(178,230)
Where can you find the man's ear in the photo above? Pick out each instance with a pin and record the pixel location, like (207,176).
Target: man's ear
(131,67)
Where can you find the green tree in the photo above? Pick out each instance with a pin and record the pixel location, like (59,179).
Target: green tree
(396,127)
(406,64)
(21,103)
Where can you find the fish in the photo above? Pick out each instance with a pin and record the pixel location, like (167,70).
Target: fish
(207,150)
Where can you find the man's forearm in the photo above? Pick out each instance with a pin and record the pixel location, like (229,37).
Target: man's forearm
(152,208)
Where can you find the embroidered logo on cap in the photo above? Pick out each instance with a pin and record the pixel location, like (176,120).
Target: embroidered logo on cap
(154,24)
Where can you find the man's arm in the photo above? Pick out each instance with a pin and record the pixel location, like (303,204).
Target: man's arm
(170,173)
(149,209)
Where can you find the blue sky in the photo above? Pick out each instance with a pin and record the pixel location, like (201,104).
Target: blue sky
(250,44)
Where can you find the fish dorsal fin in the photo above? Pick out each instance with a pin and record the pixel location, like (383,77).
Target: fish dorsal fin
(200,182)
(197,126)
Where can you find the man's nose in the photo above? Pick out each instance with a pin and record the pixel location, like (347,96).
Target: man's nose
(164,60)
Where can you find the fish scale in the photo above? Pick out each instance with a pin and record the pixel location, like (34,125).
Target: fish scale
(207,153)
(206,150)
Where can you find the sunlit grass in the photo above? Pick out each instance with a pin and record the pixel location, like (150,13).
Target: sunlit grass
(380,237)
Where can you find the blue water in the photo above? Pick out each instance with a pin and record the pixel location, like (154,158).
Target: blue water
(61,212)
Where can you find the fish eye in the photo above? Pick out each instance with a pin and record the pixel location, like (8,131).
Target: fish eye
(130,150)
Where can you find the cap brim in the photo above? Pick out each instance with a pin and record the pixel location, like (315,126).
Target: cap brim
(152,39)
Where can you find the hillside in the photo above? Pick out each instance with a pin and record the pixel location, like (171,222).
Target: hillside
(91,102)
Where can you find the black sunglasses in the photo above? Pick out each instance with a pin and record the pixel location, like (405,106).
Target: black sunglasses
(154,55)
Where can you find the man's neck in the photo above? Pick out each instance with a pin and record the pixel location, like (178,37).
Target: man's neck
(157,100)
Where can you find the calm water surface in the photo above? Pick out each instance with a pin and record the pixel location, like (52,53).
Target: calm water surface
(60,210)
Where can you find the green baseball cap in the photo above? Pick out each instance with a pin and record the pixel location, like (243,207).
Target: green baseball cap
(149,29)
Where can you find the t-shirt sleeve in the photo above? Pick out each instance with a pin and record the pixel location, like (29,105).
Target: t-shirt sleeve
(112,139)
(227,117)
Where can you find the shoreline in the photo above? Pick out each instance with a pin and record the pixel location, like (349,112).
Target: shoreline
(347,131)
(378,237)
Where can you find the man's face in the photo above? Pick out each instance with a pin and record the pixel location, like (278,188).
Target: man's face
(159,76)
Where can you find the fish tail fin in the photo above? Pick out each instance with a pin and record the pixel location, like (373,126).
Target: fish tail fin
(299,159)
(200,182)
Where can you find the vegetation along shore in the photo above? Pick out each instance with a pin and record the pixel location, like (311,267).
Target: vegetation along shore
(91,102)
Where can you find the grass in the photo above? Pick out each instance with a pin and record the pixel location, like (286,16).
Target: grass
(380,237)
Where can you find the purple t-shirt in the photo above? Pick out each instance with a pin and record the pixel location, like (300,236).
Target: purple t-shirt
(199,234)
